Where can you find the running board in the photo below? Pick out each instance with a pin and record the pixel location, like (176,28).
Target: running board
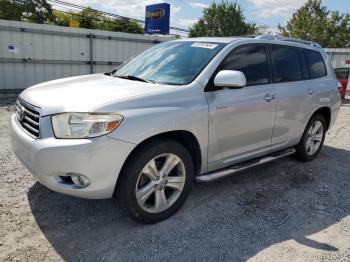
(209,177)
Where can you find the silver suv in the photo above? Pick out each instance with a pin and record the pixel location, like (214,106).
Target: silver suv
(194,109)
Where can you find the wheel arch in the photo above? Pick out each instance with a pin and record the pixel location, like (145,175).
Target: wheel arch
(326,113)
(184,137)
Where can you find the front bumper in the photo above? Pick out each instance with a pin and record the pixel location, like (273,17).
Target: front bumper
(100,159)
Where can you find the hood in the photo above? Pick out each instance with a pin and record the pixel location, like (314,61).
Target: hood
(83,93)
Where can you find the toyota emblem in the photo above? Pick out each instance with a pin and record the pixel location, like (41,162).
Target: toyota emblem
(21,113)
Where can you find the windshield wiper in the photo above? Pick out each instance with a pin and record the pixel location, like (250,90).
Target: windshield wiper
(136,78)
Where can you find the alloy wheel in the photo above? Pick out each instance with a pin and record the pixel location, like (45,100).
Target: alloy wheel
(314,138)
(160,183)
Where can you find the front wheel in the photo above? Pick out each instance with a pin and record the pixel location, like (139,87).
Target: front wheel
(312,140)
(156,181)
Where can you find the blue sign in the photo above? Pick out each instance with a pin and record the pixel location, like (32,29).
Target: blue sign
(157,19)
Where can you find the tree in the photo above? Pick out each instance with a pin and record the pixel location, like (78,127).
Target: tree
(36,11)
(62,19)
(315,23)
(125,25)
(39,11)
(10,11)
(89,18)
(92,19)
(223,19)
(339,30)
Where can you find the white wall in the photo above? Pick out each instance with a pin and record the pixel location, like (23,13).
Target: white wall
(45,52)
(338,56)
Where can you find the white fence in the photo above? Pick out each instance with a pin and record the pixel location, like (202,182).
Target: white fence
(33,53)
(340,57)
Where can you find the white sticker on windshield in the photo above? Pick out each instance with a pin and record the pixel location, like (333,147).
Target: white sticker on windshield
(204,45)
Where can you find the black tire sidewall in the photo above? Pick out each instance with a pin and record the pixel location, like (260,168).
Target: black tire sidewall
(301,150)
(133,169)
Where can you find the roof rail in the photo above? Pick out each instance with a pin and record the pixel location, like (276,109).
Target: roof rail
(295,40)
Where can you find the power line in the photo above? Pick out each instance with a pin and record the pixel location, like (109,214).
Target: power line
(79,7)
(98,11)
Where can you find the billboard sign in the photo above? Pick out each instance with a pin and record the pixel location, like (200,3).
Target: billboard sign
(157,19)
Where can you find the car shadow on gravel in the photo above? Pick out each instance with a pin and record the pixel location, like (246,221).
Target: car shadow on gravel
(229,220)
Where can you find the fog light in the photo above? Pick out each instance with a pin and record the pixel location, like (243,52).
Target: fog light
(80,180)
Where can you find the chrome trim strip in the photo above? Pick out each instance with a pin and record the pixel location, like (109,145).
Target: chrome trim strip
(209,177)
(30,121)
(31,128)
(31,113)
(38,109)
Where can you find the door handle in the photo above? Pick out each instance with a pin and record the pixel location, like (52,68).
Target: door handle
(311,91)
(269,97)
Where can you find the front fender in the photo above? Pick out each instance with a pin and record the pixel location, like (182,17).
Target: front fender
(184,109)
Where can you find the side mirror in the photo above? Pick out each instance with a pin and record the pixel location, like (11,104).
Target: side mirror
(230,78)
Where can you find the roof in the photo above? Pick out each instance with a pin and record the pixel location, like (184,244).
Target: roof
(269,38)
(224,40)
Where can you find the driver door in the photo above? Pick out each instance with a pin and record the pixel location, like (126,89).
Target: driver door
(241,120)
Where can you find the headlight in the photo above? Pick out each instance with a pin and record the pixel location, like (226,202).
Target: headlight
(84,125)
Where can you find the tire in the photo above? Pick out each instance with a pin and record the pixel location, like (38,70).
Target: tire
(304,150)
(144,183)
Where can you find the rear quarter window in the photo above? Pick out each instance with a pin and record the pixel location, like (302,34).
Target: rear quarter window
(316,64)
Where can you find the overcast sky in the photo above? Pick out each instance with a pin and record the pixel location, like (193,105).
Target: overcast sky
(185,13)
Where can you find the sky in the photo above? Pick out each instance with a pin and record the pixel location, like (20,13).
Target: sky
(184,13)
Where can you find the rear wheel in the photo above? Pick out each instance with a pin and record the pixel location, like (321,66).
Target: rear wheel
(312,140)
(156,181)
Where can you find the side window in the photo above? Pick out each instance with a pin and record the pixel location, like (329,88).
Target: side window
(286,64)
(252,61)
(316,64)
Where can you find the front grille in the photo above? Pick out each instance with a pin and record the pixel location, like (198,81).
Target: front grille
(29,117)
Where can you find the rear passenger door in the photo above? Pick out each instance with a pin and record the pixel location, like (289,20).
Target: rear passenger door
(297,93)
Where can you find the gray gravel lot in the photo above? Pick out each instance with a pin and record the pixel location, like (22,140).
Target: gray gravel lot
(284,211)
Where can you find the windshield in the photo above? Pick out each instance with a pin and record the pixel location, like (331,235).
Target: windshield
(175,63)
(342,73)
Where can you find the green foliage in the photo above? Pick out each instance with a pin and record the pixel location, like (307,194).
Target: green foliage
(35,11)
(223,19)
(91,19)
(62,19)
(124,25)
(315,23)
(39,11)
(9,11)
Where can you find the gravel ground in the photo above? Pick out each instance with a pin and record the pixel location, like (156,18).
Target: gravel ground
(284,211)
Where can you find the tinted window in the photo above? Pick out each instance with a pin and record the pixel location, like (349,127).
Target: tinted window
(342,73)
(287,65)
(316,64)
(252,61)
